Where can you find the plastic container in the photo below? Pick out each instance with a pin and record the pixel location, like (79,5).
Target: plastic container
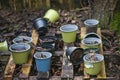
(69,32)
(20,52)
(93,67)
(91,25)
(52,15)
(43,63)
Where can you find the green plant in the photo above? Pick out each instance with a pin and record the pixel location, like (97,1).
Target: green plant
(115,23)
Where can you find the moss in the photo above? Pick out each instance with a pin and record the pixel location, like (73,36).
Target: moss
(115,23)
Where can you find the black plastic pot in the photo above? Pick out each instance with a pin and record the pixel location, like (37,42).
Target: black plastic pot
(75,55)
(48,39)
(40,24)
(46,48)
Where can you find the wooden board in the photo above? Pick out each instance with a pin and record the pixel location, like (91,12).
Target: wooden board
(102,74)
(27,67)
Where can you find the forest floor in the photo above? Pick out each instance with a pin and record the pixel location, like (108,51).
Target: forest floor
(13,23)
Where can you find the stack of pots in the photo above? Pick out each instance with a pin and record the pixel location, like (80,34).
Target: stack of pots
(21,49)
(92,59)
(40,24)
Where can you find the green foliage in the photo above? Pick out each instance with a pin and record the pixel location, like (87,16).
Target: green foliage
(115,23)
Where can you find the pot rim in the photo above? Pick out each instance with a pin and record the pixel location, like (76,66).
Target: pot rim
(16,44)
(98,40)
(48,54)
(92,33)
(100,56)
(70,27)
(91,22)
(21,37)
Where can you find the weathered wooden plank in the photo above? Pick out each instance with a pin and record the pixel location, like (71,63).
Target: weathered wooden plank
(102,74)
(67,67)
(27,67)
(9,70)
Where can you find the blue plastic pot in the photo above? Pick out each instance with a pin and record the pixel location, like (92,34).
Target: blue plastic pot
(43,64)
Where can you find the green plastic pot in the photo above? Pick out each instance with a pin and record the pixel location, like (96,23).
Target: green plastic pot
(93,67)
(69,32)
(3,46)
(52,15)
(91,42)
(20,52)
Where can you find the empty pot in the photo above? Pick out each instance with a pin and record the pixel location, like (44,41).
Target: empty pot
(91,25)
(52,15)
(69,32)
(40,24)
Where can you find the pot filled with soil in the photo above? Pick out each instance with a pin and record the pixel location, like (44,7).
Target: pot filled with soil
(45,48)
(48,39)
(20,52)
(91,42)
(23,39)
(69,32)
(93,63)
(75,55)
(43,60)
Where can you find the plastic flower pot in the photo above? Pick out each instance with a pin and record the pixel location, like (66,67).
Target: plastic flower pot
(20,52)
(75,55)
(43,60)
(93,63)
(40,24)
(91,25)
(23,39)
(91,43)
(69,32)
(3,46)
(52,15)
(92,34)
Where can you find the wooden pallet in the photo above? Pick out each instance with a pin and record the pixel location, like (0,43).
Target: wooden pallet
(67,68)
(102,74)
(25,70)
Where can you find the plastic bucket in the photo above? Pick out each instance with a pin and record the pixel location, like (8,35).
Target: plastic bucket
(69,32)
(3,46)
(40,24)
(91,25)
(43,64)
(23,39)
(52,15)
(20,52)
(75,54)
(93,67)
